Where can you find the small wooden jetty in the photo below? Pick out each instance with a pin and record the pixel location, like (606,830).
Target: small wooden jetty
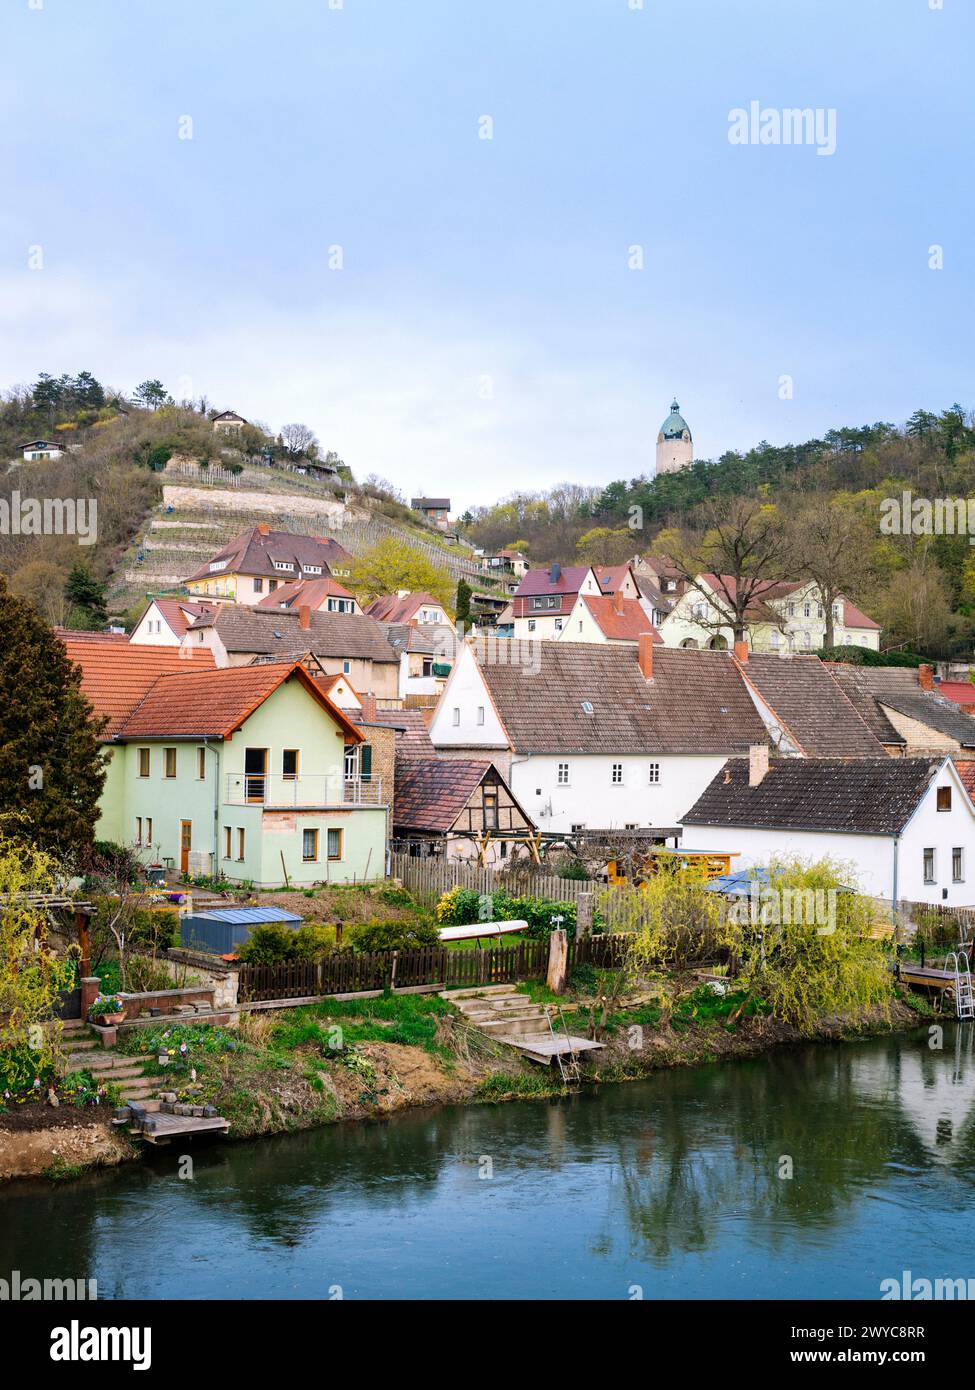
(156,1122)
(511,1018)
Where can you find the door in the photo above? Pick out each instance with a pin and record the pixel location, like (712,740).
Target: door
(185,844)
(255,773)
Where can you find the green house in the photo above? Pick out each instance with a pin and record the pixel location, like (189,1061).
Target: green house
(248,773)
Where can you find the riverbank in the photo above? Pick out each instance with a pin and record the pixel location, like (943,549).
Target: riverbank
(289,1070)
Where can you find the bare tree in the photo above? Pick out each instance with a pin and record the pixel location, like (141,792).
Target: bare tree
(830,543)
(298,440)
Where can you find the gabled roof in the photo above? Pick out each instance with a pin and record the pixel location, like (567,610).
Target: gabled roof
(298,592)
(812,706)
(862,796)
(412,735)
(391,608)
(116,674)
(569,580)
(965,767)
(438,504)
(432,792)
(253,552)
(897,688)
(696,702)
(41,443)
(214,704)
(179,612)
(624,623)
(263,632)
(610,578)
(431,639)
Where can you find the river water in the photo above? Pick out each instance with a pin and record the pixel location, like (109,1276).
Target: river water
(807,1173)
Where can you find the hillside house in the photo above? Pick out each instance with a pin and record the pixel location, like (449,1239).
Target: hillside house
(258,561)
(37,449)
(784,617)
(502,563)
(544,600)
(435,509)
(228,422)
(608,618)
(325,595)
(407,607)
(426,654)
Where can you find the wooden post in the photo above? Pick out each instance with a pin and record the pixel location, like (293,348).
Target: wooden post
(81,921)
(584,915)
(558,960)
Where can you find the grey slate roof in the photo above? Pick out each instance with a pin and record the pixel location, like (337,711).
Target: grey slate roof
(697,701)
(862,796)
(412,735)
(265,632)
(814,708)
(430,639)
(254,552)
(897,688)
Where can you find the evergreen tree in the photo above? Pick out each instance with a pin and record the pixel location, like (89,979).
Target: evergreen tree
(463,602)
(83,590)
(51,767)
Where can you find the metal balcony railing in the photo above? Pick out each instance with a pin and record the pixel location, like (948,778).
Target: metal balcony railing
(278,791)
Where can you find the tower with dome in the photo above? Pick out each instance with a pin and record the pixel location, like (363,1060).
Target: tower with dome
(675,448)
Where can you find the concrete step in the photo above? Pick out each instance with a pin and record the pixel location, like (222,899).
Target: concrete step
(531,1023)
(134,1090)
(490,1007)
(102,1061)
(481,991)
(82,1044)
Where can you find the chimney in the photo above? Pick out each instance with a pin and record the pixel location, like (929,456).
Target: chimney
(925,677)
(645,655)
(555,573)
(741,652)
(304,617)
(757,763)
(263,529)
(618,600)
(368,703)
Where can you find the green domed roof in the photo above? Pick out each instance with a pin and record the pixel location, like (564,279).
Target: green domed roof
(675,426)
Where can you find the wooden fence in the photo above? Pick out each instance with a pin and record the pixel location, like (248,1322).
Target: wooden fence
(344,972)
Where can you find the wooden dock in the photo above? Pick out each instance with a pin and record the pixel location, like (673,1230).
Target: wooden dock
(159,1126)
(545,1049)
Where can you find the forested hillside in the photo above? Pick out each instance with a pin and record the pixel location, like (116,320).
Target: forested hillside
(921,587)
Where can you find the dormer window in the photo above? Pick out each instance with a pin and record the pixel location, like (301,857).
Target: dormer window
(311,569)
(283,565)
(218,565)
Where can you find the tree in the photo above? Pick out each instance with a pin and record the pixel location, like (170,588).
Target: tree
(464,592)
(41,583)
(391,565)
(743,552)
(51,767)
(830,545)
(915,607)
(151,394)
(86,592)
(298,441)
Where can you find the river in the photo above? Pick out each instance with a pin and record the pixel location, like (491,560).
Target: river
(811,1172)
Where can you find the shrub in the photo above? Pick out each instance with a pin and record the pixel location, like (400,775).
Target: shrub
(392,936)
(312,940)
(19,1068)
(143,975)
(396,897)
(463,906)
(459,906)
(268,944)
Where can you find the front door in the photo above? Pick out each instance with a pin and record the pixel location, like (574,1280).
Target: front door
(185,843)
(255,773)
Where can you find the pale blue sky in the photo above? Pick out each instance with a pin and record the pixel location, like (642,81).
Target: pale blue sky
(485,332)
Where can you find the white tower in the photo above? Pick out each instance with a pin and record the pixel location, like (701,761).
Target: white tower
(675,449)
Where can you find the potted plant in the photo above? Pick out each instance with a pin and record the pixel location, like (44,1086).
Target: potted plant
(107,1009)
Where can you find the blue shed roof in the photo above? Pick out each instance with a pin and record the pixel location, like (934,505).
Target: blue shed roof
(247,916)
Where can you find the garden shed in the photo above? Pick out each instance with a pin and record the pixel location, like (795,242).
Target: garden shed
(222,930)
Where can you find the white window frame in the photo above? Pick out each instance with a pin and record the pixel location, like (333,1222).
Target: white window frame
(653,774)
(616,775)
(562,775)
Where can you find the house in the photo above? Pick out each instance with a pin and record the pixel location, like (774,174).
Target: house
(243,773)
(617,579)
(906,710)
(116,675)
(504,562)
(426,655)
(407,607)
(655,603)
(166,620)
(37,449)
(906,825)
(456,808)
(545,599)
(228,422)
(783,617)
(806,712)
(608,618)
(661,571)
(435,509)
(320,595)
(349,644)
(505,623)
(257,561)
(597,737)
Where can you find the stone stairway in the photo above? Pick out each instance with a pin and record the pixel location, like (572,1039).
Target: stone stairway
(84,1052)
(512,1018)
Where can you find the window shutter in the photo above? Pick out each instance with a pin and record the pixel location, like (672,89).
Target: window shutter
(365,760)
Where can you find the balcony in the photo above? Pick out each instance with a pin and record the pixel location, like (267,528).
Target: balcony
(276,792)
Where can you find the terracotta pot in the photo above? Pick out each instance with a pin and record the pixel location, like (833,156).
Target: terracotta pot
(107,1020)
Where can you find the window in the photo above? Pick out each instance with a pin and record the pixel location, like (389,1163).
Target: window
(806,610)
(258,586)
(792,610)
(149,830)
(531,624)
(480,714)
(929,866)
(272,584)
(311,569)
(309,845)
(289,764)
(346,668)
(283,565)
(201,763)
(335,844)
(143,762)
(169,762)
(944,798)
(558,624)
(562,775)
(456,716)
(958,865)
(240,845)
(490,808)
(579,825)
(654,774)
(138,830)
(580,624)
(617,776)
(227,845)
(427,668)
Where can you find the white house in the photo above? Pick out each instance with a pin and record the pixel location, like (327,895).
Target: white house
(597,737)
(166,620)
(42,449)
(906,825)
(545,599)
(786,617)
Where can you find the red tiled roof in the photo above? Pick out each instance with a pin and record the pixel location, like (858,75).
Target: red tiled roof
(431,793)
(623,624)
(389,608)
(570,580)
(179,613)
(299,592)
(853,617)
(115,675)
(965,767)
(611,577)
(214,704)
(962,692)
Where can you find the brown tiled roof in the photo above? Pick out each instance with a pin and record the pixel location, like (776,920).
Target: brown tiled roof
(430,639)
(180,613)
(697,701)
(432,792)
(214,704)
(390,608)
(115,675)
(295,594)
(412,733)
(862,796)
(812,706)
(570,580)
(612,577)
(254,552)
(622,624)
(265,633)
(897,688)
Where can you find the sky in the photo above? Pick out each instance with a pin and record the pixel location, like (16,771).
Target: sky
(293,208)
